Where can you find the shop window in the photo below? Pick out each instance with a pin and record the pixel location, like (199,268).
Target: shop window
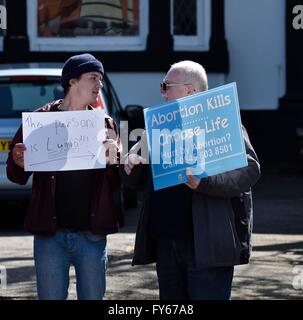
(63,25)
(190,24)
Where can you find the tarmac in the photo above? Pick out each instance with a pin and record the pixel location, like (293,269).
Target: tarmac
(275,270)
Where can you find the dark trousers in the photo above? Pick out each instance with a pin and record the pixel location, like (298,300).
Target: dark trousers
(180,279)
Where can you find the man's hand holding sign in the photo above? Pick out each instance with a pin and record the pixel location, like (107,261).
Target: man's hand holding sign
(18,154)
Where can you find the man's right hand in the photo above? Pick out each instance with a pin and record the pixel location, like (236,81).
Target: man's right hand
(18,154)
(133,160)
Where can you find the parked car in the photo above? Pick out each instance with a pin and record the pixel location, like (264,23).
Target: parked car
(25,87)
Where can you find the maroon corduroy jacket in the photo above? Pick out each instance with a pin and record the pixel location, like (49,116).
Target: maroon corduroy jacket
(41,216)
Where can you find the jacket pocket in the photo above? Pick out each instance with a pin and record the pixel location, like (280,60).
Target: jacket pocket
(223,241)
(242,207)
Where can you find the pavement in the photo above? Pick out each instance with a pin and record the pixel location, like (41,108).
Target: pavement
(275,270)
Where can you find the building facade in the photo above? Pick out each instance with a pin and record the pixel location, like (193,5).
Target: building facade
(253,43)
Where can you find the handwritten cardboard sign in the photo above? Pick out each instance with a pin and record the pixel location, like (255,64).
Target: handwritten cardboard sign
(215,113)
(65,140)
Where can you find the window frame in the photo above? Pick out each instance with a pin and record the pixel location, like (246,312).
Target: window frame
(200,42)
(82,43)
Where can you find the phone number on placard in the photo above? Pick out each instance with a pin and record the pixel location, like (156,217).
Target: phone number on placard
(208,153)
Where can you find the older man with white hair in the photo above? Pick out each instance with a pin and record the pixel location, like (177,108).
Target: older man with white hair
(195,232)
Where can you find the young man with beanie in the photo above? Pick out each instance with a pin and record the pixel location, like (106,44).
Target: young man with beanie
(71,212)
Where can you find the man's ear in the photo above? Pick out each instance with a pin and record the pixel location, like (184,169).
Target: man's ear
(72,81)
(191,89)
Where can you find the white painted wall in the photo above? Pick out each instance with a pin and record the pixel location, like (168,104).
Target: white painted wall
(137,88)
(255,32)
(144,88)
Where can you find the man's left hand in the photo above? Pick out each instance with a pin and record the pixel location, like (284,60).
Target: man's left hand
(111,151)
(192,181)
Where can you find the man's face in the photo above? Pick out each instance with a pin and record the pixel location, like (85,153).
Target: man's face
(180,88)
(88,86)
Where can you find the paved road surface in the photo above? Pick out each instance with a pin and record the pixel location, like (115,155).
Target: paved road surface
(277,240)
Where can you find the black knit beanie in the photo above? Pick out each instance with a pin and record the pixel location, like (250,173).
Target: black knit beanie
(79,64)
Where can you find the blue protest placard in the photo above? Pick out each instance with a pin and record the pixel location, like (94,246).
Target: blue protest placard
(202,132)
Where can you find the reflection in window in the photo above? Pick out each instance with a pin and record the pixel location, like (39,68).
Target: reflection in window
(2,31)
(185,17)
(72,18)
(190,24)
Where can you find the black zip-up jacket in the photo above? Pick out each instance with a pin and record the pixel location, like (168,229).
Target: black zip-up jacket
(222,214)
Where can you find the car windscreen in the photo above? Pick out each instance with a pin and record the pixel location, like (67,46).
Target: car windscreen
(25,95)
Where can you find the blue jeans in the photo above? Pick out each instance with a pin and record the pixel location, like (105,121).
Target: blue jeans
(53,256)
(180,279)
